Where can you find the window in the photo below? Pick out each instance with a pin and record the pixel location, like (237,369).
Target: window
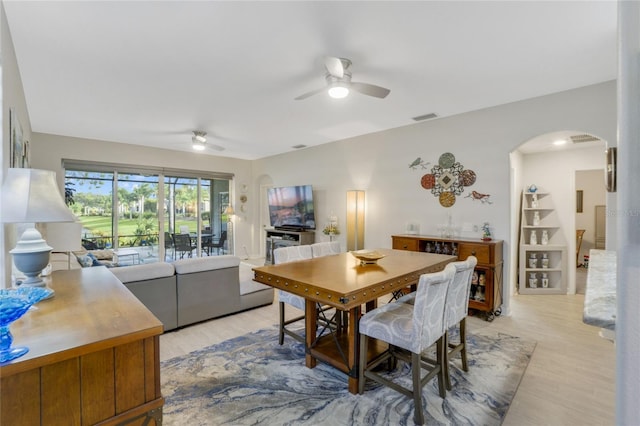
(124,208)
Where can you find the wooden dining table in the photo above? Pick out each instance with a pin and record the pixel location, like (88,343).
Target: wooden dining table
(342,282)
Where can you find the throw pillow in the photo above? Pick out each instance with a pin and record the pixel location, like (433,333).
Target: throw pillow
(85,260)
(94,260)
(88,260)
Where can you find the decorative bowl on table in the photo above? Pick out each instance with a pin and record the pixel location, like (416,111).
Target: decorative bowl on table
(367,257)
(13,304)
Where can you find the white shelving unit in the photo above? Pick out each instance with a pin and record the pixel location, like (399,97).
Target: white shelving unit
(539,276)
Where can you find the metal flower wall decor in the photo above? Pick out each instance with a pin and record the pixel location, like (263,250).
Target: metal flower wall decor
(447,179)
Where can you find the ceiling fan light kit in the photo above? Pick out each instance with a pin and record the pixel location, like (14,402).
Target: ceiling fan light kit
(338,77)
(199,140)
(338,91)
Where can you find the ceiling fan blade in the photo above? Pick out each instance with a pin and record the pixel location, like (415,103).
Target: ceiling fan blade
(334,66)
(215,147)
(370,89)
(311,93)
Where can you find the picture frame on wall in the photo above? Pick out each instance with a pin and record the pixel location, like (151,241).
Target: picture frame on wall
(19,148)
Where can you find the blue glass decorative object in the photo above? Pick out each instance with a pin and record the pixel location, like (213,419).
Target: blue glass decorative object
(13,304)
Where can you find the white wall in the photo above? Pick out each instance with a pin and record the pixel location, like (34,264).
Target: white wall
(480,140)
(12,98)
(554,172)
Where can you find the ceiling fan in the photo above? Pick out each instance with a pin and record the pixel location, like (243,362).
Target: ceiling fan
(339,82)
(199,142)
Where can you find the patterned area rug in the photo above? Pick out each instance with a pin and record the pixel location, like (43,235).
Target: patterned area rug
(251,380)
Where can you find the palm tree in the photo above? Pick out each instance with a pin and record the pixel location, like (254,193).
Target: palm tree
(126,198)
(141,192)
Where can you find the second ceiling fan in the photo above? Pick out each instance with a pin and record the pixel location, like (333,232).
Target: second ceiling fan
(338,77)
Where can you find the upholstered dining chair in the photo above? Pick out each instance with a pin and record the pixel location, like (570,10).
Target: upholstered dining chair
(284,255)
(340,319)
(455,312)
(409,329)
(325,248)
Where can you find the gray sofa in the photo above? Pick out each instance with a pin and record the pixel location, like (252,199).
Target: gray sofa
(193,290)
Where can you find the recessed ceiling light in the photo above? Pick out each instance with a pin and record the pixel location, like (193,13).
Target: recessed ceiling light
(559,142)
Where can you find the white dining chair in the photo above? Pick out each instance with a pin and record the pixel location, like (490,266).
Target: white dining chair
(339,319)
(284,255)
(455,314)
(409,329)
(325,248)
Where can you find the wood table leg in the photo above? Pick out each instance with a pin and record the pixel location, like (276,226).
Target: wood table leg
(310,330)
(354,348)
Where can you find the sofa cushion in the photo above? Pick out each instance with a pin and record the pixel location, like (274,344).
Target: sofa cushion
(247,284)
(199,264)
(146,271)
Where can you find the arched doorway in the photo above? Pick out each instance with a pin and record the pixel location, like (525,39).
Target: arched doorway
(552,165)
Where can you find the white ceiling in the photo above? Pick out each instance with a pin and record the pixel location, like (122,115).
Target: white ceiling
(149,73)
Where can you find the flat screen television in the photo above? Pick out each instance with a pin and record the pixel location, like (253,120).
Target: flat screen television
(291,207)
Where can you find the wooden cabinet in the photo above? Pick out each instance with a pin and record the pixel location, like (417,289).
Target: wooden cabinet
(486,289)
(543,250)
(93,357)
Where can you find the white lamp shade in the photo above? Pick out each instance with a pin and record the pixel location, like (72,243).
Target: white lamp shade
(64,236)
(32,195)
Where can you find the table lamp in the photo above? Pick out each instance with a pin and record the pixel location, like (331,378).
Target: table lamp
(29,196)
(64,237)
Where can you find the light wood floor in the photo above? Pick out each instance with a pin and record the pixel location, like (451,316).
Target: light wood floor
(569,381)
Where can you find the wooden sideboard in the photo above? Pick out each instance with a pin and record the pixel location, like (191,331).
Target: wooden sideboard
(93,357)
(488,269)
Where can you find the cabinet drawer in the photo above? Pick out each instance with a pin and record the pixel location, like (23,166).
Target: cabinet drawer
(405,244)
(480,251)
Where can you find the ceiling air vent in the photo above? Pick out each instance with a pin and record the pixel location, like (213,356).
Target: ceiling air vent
(583,138)
(425,117)
(299,146)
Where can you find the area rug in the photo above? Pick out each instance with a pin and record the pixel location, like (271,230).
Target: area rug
(251,380)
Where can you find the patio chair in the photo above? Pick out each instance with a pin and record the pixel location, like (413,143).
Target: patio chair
(182,245)
(220,244)
(169,245)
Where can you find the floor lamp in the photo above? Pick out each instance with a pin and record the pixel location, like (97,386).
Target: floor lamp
(355,220)
(229,212)
(32,196)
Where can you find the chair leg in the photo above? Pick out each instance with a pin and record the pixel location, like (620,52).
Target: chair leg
(441,358)
(281,331)
(447,373)
(363,361)
(418,416)
(463,342)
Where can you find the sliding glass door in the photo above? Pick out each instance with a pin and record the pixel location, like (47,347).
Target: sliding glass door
(141,211)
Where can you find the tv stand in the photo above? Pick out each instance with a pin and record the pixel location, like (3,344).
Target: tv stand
(277,238)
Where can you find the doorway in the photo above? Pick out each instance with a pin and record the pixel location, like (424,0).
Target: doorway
(551,161)
(590,217)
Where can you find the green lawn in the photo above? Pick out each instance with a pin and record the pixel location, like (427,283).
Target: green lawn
(101,225)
